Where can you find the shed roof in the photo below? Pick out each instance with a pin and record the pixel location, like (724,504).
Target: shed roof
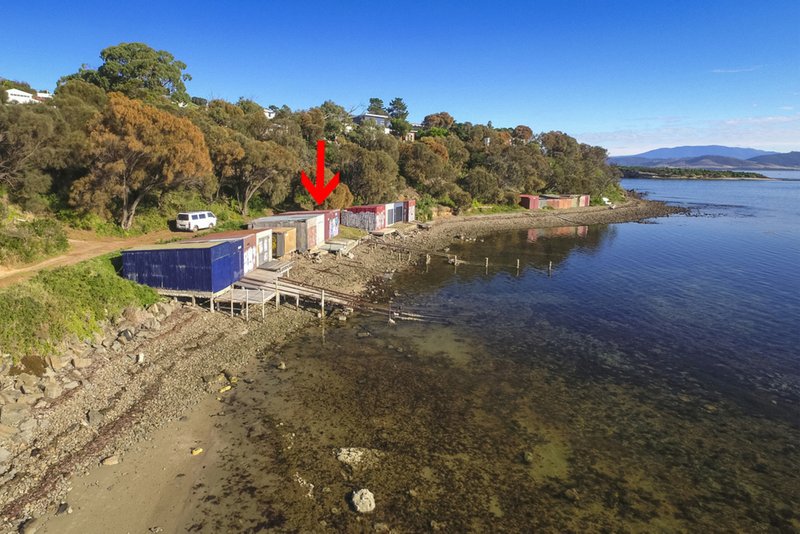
(175,246)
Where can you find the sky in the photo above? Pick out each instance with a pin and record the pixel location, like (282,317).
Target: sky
(626,75)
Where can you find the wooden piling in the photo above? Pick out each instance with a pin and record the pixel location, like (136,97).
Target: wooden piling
(246,305)
(322,303)
(487,265)
(263,304)
(211,302)
(277,297)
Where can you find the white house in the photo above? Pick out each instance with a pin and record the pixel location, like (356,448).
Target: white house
(19,97)
(381,120)
(269,113)
(41,96)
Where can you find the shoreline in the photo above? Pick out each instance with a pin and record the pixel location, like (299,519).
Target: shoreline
(152,413)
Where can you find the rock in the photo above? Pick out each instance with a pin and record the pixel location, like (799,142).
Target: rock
(14,414)
(81,363)
(63,508)
(56,362)
(572,494)
(140,357)
(151,324)
(527,457)
(342,318)
(363,501)
(110,460)
(71,385)
(30,526)
(28,425)
(5,454)
(94,417)
(52,391)
(136,315)
(363,334)
(126,335)
(7,431)
(281,366)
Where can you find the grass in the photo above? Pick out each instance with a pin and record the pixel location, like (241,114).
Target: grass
(348,232)
(484,209)
(60,303)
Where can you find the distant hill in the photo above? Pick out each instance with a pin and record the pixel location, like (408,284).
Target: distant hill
(790,159)
(703,150)
(710,157)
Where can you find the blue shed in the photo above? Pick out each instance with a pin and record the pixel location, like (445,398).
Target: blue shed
(197,267)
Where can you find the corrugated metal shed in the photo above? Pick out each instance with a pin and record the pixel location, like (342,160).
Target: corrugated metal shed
(530,202)
(249,246)
(199,267)
(369,218)
(263,241)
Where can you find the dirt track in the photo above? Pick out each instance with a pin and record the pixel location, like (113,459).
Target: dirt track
(83,245)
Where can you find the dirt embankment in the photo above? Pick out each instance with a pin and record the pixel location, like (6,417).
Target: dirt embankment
(108,397)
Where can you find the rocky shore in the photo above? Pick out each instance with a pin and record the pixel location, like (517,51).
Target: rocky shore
(102,399)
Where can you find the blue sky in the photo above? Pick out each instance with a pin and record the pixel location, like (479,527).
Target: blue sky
(626,75)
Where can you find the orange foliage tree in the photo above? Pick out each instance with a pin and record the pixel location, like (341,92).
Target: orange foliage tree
(138,150)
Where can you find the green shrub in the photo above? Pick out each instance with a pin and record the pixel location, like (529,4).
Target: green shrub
(73,300)
(27,241)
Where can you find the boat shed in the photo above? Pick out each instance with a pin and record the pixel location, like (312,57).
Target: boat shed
(410,207)
(194,268)
(310,228)
(529,202)
(257,245)
(332,220)
(369,218)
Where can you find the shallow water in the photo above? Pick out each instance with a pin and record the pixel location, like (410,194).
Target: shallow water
(646,380)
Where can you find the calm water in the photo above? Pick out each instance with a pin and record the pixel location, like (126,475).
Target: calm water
(638,377)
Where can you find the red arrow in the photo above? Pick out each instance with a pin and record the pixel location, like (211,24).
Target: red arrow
(319,191)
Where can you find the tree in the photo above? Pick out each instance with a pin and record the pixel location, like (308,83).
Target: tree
(439,120)
(265,167)
(371,175)
(29,138)
(376,106)
(397,109)
(337,120)
(425,166)
(400,127)
(482,184)
(137,71)
(3,96)
(522,134)
(139,150)
(340,198)
(199,101)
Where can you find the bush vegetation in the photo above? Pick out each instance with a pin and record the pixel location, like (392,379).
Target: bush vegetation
(64,302)
(27,241)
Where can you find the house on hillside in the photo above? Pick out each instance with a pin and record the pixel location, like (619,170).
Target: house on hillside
(20,97)
(383,121)
(41,96)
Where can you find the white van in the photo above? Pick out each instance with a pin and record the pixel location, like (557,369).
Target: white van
(195,220)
